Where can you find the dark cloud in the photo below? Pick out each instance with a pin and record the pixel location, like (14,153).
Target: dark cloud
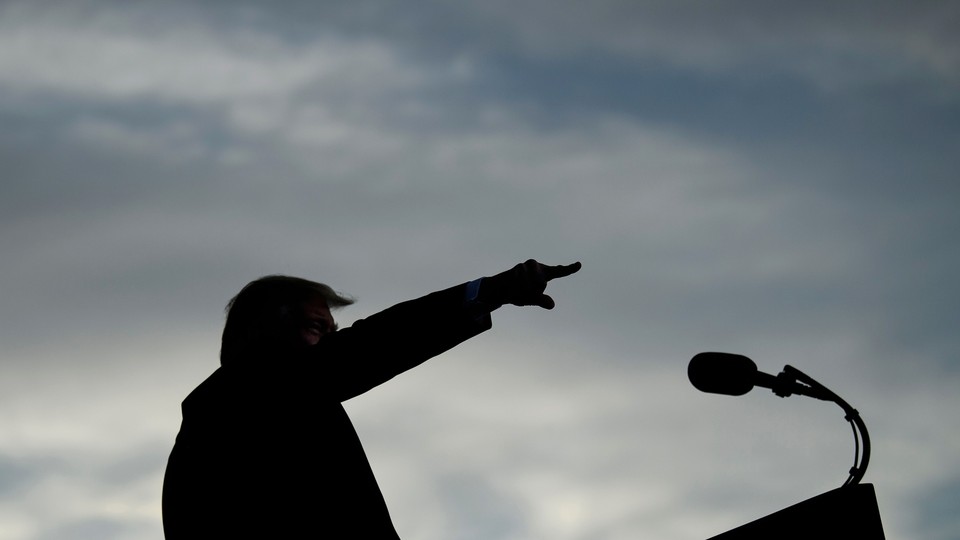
(935,511)
(15,475)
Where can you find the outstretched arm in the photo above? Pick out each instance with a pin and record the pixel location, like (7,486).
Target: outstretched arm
(377,348)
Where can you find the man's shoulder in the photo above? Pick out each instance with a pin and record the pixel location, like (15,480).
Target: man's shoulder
(250,387)
(222,387)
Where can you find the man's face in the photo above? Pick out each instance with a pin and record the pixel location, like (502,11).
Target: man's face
(317,321)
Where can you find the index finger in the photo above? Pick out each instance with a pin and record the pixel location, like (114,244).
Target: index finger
(553,272)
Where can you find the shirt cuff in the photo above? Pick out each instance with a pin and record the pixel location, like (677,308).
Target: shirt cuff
(473,290)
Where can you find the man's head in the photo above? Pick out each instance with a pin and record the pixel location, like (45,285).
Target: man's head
(275,314)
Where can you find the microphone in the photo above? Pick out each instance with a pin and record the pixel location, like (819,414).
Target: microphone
(735,375)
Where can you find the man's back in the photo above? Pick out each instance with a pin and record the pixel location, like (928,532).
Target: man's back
(262,454)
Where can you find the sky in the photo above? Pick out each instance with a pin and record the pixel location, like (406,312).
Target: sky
(777,180)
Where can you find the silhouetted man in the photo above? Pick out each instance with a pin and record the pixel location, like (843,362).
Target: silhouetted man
(266,450)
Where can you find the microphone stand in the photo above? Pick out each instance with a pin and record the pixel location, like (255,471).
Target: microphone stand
(849,511)
(793,381)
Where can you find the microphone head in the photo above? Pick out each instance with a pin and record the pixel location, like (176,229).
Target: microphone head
(722,373)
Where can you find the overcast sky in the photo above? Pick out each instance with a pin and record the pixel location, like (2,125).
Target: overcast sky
(773,179)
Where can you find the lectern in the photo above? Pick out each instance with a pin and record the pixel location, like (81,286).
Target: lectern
(848,512)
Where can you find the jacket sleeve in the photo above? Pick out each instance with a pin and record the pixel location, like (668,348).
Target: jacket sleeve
(373,350)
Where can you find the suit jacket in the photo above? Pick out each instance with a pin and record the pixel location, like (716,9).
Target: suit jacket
(266,450)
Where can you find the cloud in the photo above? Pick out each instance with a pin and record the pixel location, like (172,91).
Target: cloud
(833,47)
(776,182)
(82,51)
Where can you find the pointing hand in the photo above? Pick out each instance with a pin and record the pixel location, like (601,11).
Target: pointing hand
(523,285)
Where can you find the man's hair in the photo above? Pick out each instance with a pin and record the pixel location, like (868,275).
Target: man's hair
(263,311)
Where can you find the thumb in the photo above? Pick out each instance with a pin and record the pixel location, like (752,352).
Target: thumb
(545,301)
